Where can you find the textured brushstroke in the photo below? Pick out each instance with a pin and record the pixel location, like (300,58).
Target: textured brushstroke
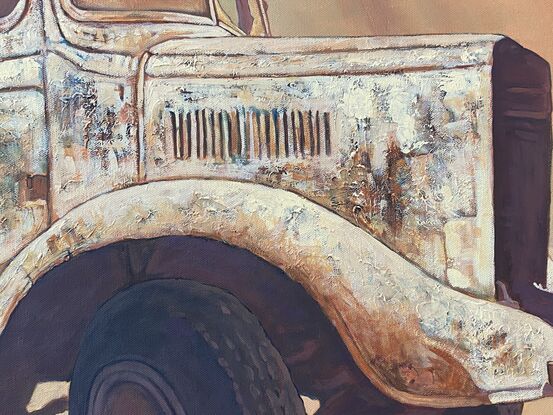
(416,339)
(370,167)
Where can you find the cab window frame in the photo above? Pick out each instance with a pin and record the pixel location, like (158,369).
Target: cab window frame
(137,16)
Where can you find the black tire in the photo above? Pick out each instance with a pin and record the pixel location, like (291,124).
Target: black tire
(508,409)
(187,347)
(512,409)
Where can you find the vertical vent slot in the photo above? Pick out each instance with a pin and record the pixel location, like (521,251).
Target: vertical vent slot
(249,134)
(233,133)
(295,134)
(179,135)
(274,132)
(188,130)
(327,133)
(175,135)
(199,133)
(286,133)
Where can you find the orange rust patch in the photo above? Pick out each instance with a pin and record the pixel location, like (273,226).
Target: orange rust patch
(399,355)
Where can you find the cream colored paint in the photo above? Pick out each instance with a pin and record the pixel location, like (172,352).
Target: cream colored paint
(21,73)
(358,94)
(350,274)
(528,22)
(20,33)
(22,129)
(354,282)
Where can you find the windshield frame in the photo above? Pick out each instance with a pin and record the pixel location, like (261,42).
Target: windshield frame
(138,16)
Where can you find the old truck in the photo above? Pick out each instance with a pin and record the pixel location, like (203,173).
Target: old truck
(198,218)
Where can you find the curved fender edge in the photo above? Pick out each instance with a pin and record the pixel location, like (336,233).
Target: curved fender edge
(418,341)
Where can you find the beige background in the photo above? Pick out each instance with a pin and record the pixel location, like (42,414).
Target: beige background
(530,22)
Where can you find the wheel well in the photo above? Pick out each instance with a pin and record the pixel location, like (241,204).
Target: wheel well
(42,339)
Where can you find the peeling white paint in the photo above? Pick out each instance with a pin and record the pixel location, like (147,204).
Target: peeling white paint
(344,268)
(401,152)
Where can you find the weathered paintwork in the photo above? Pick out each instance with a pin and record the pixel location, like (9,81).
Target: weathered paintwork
(404,156)
(418,340)
(93,132)
(23,154)
(384,141)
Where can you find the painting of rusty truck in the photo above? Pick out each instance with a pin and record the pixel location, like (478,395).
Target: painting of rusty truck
(199,218)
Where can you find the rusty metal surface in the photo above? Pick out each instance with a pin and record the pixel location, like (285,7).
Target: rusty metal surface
(393,135)
(404,156)
(93,129)
(417,340)
(23,155)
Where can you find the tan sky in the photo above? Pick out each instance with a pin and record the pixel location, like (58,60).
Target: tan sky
(528,21)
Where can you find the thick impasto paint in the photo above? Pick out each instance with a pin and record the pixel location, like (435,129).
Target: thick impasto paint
(199,217)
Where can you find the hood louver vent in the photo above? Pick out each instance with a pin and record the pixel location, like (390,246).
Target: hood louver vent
(248,134)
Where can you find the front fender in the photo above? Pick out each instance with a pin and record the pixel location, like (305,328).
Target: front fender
(418,341)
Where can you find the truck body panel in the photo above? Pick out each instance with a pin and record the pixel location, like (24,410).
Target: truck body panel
(408,176)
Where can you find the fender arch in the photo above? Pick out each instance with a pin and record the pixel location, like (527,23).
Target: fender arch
(418,341)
